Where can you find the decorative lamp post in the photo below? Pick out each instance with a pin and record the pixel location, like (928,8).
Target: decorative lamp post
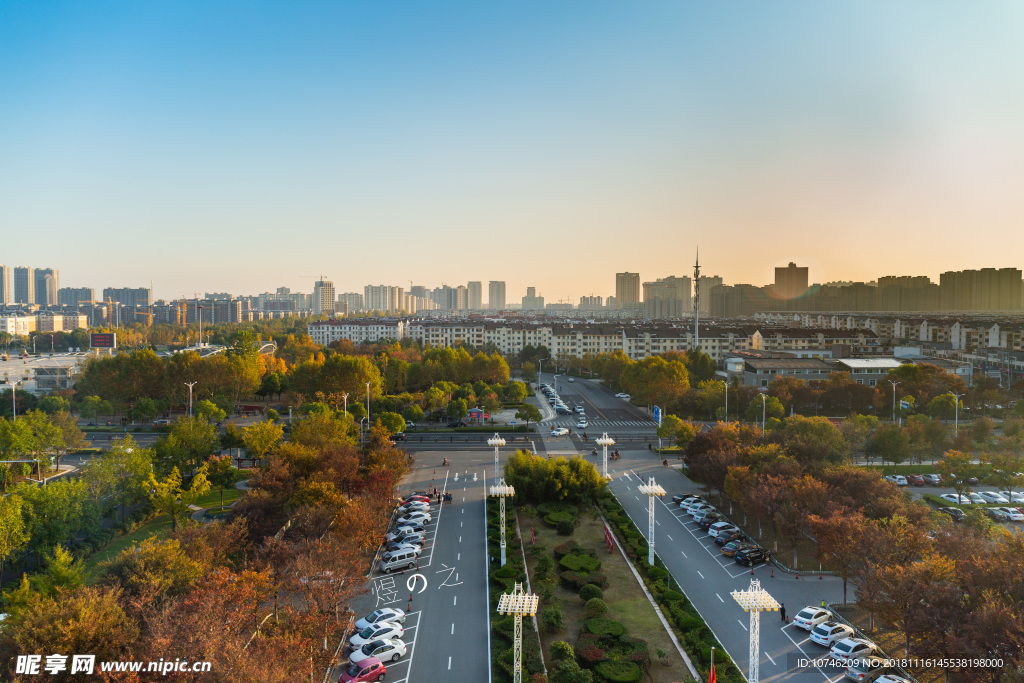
(367,405)
(651,489)
(764,411)
(893,398)
(755,600)
(503,491)
(496,441)
(605,441)
(519,604)
(190,385)
(956,412)
(344,397)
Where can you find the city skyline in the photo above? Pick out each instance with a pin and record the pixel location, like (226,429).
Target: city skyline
(203,147)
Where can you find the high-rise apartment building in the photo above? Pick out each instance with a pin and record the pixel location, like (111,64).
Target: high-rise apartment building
(323,297)
(5,285)
(352,301)
(47,284)
(707,284)
(24,285)
(451,298)
(591,303)
(383,298)
(668,297)
(790,282)
(987,289)
(496,295)
(627,291)
(74,296)
(476,296)
(130,297)
(532,302)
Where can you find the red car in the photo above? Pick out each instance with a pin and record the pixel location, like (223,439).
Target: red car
(416,499)
(915,480)
(370,669)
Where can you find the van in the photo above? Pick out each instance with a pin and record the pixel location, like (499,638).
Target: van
(717,527)
(399,559)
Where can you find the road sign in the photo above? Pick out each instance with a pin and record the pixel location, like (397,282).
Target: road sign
(657,415)
(513,423)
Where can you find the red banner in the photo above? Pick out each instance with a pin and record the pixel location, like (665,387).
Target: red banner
(608,537)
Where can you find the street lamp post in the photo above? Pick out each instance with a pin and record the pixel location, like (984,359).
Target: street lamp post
(344,397)
(727,401)
(755,600)
(503,491)
(554,381)
(651,489)
(367,405)
(518,604)
(540,362)
(361,430)
(956,413)
(190,385)
(893,398)
(14,402)
(606,441)
(496,441)
(764,411)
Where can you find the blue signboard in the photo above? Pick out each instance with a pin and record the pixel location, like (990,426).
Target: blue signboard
(657,415)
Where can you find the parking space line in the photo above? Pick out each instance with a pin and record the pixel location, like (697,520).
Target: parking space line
(742,624)
(719,597)
(770,658)
(701,575)
(797,645)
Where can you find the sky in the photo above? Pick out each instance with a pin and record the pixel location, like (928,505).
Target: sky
(243,146)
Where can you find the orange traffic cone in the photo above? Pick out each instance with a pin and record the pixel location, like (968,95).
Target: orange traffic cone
(773,573)
(798,575)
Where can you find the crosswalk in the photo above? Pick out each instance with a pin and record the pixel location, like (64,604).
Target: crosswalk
(571,423)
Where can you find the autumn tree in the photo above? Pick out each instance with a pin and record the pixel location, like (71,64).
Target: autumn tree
(13,534)
(837,534)
(890,443)
(188,444)
(222,475)
(169,496)
(956,467)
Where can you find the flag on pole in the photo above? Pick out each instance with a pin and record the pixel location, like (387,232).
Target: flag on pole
(711,676)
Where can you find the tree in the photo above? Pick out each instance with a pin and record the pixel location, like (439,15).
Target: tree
(943,407)
(956,468)
(209,411)
(53,404)
(188,443)
(458,409)
(515,392)
(890,443)
(768,407)
(529,413)
(529,372)
(982,430)
(122,472)
(13,534)
(168,495)
(393,422)
(1005,468)
(71,437)
(413,414)
(154,568)
(838,535)
(145,409)
(222,475)
(670,425)
(813,441)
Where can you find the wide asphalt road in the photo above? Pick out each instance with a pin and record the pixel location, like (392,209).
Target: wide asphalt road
(604,412)
(708,577)
(447,628)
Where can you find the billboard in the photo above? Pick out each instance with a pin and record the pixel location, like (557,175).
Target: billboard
(103,340)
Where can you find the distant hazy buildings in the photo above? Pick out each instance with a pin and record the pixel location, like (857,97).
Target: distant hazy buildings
(47,284)
(350,302)
(130,297)
(383,298)
(790,282)
(707,285)
(988,289)
(5,285)
(496,295)
(591,303)
(24,285)
(476,296)
(75,296)
(532,302)
(627,291)
(323,297)
(668,297)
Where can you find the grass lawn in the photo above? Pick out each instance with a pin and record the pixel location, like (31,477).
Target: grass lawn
(159,526)
(212,498)
(890,640)
(626,600)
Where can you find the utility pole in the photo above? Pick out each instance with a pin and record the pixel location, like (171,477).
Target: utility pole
(503,491)
(893,398)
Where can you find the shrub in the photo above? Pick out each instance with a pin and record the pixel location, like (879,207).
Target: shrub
(506,572)
(596,607)
(549,508)
(565,528)
(619,672)
(574,581)
(605,627)
(568,548)
(689,623)
(671,596)
(656,573)
(561,650)
(568,671)
(590,591)
(544,565)
(580,563)
(551,618)
(589,651)
(556,518)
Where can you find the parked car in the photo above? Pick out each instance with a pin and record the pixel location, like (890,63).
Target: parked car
(829,633)
(731,548)
(414,506)
(625,396)
(416,499)
(993,497)
(955,513)
(933,479)
(696,505)
(383,629)
(685,502)
(392,545)
(710,518)
(387,649)
(722,539)
(722,528)
(702,513)
(976,498)
(850,649)
(1013,514)
(809,617)
(370,669)
(897,479)
(915,480)
(752,556)
(415,518)
(458,423)
(1013,496)
(997,514)
(892,678)
(406,537)
(559,431)
(954,498)
(868,669)
(382,614)
(410,528)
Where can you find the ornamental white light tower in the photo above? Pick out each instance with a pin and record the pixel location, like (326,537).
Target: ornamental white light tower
(518,604)
(755,600)
(650,489)
(606,441)
(496,441)
(503,491)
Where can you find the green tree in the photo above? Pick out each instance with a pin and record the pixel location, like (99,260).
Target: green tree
(943,407)
(63,572)
(222,475)
(189,442)
(209,411)
(122,472)
(890,443)
(669,427)
(765,408)
(516,392)
(956,468)
(529,372)
(168,495)
(393,422)
(53,404)
(458,409)
(262,438)
(413,414)
(529,413)
(144,410)
(13,534)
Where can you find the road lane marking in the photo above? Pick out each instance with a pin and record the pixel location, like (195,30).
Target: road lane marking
(770,658)
(785,633)
(449,663)
(701,575)
(453,632)
(669,537)
(719,597)
(455,600)
(742,624)
(684,554)
(458,556)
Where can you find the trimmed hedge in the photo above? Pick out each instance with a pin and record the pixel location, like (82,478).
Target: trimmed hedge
(590,591)
(550,508)
(556,518)
(580,563)
(574,581)
(604,627)
(619,672)
(571,548)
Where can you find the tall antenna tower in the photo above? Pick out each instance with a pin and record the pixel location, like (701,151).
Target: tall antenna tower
(696,302)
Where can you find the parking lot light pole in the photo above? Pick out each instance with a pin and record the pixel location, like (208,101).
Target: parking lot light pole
(755,600)
(344,397)
(496,441)
(503,491)
(606,441)
(956,412)
(14,402)
(764,411)
(651,489)
(367,405)
(519,604)
(893,398)
(540,373)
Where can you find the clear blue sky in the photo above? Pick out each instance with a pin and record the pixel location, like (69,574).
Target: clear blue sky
(238,146)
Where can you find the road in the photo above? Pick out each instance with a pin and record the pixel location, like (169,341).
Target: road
(708,577)
(447,624)
(604,412)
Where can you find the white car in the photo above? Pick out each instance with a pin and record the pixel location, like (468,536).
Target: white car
(809,617)
(571,379)
(582,424)
(382,614)
(852,648)
(1013,496)
(414,518)
(954,498)
(405,536)
(891,678)
(559,431)
(695,506)
(580,409)
(685,502)
(897,479)
(414,506)
(387,650)
(625,396)
(828,633)
(384,629)
(976,498)
(721,528)
(993,497)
